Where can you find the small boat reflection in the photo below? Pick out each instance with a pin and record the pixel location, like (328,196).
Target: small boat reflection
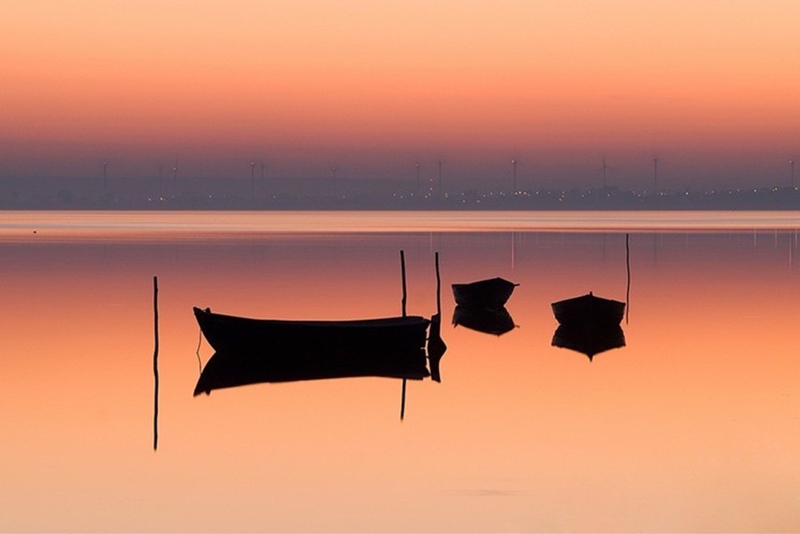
(589,324)
(589,341)
(492,293)
(489,321)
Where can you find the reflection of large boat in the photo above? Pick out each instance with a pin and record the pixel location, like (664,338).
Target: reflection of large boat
(490,321)
(240,368)
(228,333)
(589,340)
(491,293)
(588,310)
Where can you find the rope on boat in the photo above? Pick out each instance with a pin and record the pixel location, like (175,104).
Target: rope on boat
(197,351)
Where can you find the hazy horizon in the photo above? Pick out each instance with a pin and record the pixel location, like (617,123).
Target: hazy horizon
(375,88)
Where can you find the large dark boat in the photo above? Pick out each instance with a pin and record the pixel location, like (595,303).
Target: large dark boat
(250,351)
(229,333)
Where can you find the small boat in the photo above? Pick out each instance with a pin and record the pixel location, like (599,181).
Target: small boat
(489,321)
(229,333)
(492,293)
(589,340)
(588,311)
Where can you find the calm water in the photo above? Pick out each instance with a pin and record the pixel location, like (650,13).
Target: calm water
(694,425)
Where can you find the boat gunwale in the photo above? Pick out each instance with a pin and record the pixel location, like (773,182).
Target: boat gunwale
(378,322)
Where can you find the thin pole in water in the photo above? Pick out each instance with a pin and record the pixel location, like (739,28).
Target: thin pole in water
(438,286)
(155,363)
(436,346)
(403,403)
(628,265)
(403,276)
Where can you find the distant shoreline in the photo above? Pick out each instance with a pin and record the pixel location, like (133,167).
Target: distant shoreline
(613,199)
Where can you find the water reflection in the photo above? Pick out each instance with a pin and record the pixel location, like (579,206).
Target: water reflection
(233,369)
(589,341)
(489,321)
(486,451)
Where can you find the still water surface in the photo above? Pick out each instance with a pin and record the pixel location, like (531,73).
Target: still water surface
(694,425)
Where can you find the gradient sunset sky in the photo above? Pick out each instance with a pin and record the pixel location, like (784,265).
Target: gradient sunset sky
(374,87)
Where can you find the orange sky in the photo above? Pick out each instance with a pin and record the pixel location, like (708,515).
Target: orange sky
(351,79)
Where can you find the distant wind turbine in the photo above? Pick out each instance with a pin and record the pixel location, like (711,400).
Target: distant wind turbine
(791,165)
(514,174)
(252,179)
(439,191)
(105,177)
(175,176)
(417,167)
(655,175)
(261,184)
(605,168)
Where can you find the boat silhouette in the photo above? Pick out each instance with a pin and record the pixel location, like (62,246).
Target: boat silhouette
(588,311)
(495,321)
(589,324)
(229,333)
(249,351)
(491,293)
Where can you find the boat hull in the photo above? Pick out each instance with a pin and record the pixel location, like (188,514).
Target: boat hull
(492,293)
(228,333)
(588,311)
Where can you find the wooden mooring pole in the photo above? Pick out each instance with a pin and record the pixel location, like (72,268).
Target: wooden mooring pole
(155,364)
(628,270)
(403,275)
